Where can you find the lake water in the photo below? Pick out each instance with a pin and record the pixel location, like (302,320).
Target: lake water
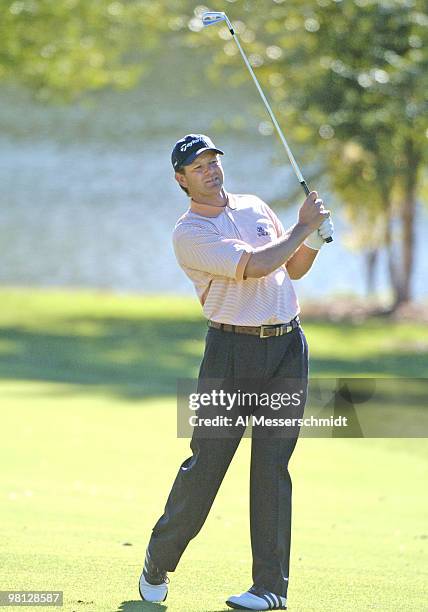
(88,197)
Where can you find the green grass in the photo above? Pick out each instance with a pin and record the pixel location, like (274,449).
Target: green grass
(89,451)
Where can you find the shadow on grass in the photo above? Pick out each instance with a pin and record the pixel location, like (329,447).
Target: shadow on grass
(132,358)
(411,365)
(145,606)
(136,358)
(141,606)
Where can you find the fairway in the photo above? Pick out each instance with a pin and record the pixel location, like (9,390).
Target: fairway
(89,451)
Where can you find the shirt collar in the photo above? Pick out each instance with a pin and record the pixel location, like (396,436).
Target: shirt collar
(205,210)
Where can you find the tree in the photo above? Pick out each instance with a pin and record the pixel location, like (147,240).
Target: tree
(352,77)
(61,49)
(348,77)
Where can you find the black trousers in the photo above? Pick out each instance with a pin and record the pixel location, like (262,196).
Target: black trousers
(230,359)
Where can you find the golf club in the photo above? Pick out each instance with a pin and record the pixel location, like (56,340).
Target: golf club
(212,18)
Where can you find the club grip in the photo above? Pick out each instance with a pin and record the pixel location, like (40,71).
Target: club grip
(307,192)
(305,187)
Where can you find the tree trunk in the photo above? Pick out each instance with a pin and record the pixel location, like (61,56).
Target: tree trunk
(408,212)
(371,260)
(393,258)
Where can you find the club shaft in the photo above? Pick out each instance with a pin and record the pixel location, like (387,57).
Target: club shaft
(290,155)
(272,116)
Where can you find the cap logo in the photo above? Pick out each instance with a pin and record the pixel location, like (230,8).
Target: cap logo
(186,145)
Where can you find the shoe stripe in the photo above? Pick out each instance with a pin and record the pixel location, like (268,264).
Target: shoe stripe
(277,601)
(147,561)
(269,599)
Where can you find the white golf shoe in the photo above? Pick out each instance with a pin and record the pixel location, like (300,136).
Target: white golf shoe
(153,585)
(257,598)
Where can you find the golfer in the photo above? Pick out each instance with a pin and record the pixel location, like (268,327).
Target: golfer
(241,261)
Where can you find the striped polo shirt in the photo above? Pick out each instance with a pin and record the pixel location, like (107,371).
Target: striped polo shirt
(213,247)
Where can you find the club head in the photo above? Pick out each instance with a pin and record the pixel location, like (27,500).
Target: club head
(213,17)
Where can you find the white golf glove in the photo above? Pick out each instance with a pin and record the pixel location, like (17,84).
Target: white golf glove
(317,238)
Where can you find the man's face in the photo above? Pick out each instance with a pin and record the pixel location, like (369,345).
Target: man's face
(203,177)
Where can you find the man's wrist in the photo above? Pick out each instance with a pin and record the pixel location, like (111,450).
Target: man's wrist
(314,241)
(305,230)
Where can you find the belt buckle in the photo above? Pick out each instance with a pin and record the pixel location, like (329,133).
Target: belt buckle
(262,328)
(280,330)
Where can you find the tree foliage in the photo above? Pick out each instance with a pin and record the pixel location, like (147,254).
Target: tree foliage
(349,78)
(63,48)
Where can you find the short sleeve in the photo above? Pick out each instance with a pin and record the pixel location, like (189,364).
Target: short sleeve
(204,249)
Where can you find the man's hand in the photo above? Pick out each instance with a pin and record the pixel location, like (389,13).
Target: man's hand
(268,258)
(312,213)
(318,237)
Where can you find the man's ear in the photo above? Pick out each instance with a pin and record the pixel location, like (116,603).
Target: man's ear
(181,179)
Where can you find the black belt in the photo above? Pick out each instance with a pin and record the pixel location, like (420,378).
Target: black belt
(264,331)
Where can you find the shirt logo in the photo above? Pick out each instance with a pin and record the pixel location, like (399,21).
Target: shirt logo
(262,231)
